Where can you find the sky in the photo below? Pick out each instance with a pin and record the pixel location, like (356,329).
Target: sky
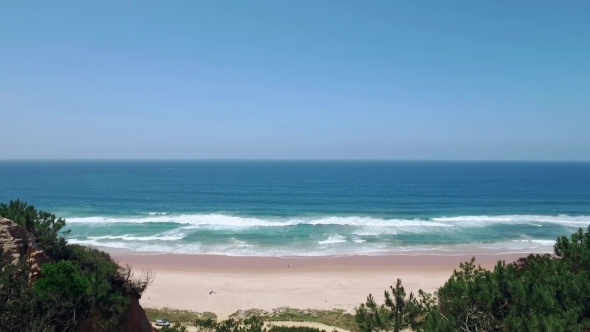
(402,80)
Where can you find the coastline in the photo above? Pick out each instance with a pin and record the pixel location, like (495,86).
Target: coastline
(184,281)
(208,262)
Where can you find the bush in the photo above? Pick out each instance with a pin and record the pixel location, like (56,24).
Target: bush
(396,314)
(43,225)
(84,289)
(536,293)
(177,327)
(17,300)
(334,317)
(294,329)
(250,324)
(61,279)
(176,315)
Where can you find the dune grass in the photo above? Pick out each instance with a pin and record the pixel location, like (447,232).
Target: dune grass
(176,315)
(335,317)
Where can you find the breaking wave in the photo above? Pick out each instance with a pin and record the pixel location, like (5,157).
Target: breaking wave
(228,221)
(318,236)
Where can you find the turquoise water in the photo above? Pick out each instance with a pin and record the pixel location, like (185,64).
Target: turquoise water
(308,207)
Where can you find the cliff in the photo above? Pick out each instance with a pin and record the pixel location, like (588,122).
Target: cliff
(16,243)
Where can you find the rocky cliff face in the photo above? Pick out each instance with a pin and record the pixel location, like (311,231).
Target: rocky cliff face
(135,318)
(17,243)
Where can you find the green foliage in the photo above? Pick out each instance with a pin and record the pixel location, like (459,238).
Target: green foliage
(396,314)
(17,300)
(251,324)
(54,303)
(61,279)
(467,297)
(294,329)
(108,293)
(83,290)
(575,251)
(540,294)
(43,225)
(177,327)
(335,317)
(176,315)
(536,293)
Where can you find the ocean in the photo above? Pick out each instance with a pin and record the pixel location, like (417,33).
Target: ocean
(308,208)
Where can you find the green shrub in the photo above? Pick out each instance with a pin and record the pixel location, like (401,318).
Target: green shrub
(294,329)
(536,293)
(83,289)
(176,315)
(251,324)
(61,279)
(397,313)
(334,317)
(177,327)
(43,225)
(17,301)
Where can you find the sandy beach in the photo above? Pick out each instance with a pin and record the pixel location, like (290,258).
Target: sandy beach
(239,283)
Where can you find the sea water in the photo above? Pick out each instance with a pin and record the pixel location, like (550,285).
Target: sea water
(308,208)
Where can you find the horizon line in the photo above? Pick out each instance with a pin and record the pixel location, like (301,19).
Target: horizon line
(293,160)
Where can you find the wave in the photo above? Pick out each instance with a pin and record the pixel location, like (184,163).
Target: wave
(222,220)
(475,221)
(240,248)
(330,235)
(128,237)
(236,221)
(333,239)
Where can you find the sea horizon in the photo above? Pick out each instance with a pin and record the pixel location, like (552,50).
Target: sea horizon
(581,161)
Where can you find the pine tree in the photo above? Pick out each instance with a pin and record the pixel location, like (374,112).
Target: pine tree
(535,293)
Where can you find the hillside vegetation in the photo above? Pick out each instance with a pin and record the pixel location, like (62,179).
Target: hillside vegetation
(536,293)
(81,289)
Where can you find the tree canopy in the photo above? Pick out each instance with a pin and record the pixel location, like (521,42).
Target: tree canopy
(535,293)
(82,289)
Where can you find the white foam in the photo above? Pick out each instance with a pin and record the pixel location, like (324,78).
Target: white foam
(333,239)
(221,220)
(538,241)
(347,235)
(128,237)
(533,220)
(118,245)
(239,248)
(544,242)
(171,235)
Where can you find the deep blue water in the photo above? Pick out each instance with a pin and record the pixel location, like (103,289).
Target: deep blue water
(307,207)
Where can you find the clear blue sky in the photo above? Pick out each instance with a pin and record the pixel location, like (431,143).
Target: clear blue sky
(478,80)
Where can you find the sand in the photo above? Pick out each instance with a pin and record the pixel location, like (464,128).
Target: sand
(239,283)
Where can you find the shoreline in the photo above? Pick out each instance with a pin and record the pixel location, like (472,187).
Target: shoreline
(244,263)
(521,246)
(184,281)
